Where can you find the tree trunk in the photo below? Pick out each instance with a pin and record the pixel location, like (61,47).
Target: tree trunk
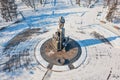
(78,2)
(8,10)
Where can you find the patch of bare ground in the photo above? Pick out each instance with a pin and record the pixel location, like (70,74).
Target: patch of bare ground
(21,37)
(65,57)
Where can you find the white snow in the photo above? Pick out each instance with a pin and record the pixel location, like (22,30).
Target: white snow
(79,23)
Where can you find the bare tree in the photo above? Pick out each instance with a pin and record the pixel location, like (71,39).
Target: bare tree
(28,3)
(111,10)
(32,3)
(108,2)
(88,2)
(8,10)
(78,2)
(41,1)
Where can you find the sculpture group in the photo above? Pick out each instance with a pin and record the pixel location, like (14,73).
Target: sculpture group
(59,40)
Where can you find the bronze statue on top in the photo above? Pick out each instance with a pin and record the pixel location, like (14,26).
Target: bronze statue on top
(60,50)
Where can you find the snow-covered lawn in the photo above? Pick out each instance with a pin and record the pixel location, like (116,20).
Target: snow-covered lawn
(101,63)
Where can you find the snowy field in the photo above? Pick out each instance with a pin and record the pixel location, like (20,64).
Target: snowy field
(82,24)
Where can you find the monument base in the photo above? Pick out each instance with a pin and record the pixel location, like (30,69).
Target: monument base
(67,56)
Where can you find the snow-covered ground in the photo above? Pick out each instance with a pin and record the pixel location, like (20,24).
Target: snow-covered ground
(102,61)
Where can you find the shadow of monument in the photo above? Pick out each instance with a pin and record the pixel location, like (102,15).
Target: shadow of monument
(71,45)
(89,42)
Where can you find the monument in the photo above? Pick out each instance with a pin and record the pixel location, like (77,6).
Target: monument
(59,41)
(60,50)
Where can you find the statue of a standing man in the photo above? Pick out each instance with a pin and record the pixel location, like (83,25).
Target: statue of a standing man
(61,22)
